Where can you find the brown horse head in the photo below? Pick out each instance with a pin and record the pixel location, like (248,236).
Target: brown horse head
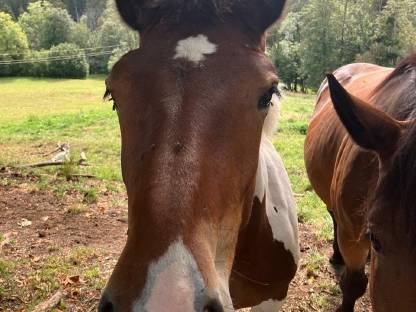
(192,101)
(391,216)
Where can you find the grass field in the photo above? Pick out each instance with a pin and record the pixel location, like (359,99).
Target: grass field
(39,112)
(36,114)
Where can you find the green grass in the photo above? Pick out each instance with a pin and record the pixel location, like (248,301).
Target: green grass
(39,113)
(296,111)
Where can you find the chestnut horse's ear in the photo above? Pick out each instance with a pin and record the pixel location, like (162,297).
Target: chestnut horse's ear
(369,127)
(259,15)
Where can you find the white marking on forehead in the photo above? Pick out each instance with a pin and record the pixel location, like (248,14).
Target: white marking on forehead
(173,283)
(194,49)
(272,180)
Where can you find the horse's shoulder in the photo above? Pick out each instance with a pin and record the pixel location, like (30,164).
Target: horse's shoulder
(362,78)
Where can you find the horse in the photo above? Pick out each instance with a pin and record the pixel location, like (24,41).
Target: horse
(360,155)
(212,222)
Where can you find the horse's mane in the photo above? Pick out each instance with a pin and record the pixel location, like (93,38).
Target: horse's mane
(179,10)
(398,186)
(396,93)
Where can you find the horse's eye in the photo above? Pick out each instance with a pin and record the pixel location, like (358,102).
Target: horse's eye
(266,99)
(108,96)
(375,242)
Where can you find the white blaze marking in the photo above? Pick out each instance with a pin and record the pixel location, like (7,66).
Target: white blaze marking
(270,124)
(268,306)
(194,49)
(172,283)
(272,180)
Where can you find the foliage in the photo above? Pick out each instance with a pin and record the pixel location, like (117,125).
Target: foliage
(13,7)
(395,33)
(116,55)
(286,52)
(114,36)
(38,66)
(75,66)
(45,25)
(81,35)
(13,45)
(318,36)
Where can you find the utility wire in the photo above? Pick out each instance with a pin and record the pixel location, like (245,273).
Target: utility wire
(56,58)
(47,51)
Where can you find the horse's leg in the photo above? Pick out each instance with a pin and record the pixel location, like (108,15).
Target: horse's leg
(353,280)
(268,306)
(336,258)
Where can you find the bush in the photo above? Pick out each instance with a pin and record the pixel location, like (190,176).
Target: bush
(116,55)
(13,45)
(75,66)
(36,66)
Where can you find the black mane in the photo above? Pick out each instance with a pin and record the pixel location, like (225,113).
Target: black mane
(396,95)
(151,12)
(398,186)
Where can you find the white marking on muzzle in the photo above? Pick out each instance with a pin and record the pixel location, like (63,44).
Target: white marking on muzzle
(194,49)
(173,283)
(268,306)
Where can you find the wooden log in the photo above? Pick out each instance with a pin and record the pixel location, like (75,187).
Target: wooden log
(50,303)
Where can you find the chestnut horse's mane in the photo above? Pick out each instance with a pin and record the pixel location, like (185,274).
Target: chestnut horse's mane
(177,11)
(397,93)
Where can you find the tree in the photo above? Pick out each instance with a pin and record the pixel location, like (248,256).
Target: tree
(74,66)
(13,7)
(395,32)
(76,8)
(81,34)
(319,44)
(94,9)
(13,44)
(45,25)
(112,34)
(286,52)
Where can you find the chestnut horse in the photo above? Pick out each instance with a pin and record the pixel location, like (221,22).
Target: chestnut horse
(363,166)
(211,217)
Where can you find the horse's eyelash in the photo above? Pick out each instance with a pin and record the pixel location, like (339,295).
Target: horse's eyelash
(107,95)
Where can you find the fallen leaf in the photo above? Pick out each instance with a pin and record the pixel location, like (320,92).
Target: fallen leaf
(25,223)
(71,280)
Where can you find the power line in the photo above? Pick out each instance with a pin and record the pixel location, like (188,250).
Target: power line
(56,58)
(47,51)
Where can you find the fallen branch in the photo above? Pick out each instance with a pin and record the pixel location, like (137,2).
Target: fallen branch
(87,176)
(80,162)
(50,303)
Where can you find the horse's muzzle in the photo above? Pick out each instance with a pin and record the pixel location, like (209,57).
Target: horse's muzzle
(211,305)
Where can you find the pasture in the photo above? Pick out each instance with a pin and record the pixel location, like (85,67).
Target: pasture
(60,230)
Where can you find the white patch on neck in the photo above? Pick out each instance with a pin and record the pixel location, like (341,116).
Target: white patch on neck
(271,122)
(173,283)
(273,182)
(194,49)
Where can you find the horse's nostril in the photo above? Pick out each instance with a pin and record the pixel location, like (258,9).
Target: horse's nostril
(105,305)
(213,305)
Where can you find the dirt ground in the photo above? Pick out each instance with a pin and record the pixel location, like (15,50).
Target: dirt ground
(52,243)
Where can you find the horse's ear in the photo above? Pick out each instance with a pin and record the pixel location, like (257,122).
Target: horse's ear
(139,13)
(260,14)
(369,127)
